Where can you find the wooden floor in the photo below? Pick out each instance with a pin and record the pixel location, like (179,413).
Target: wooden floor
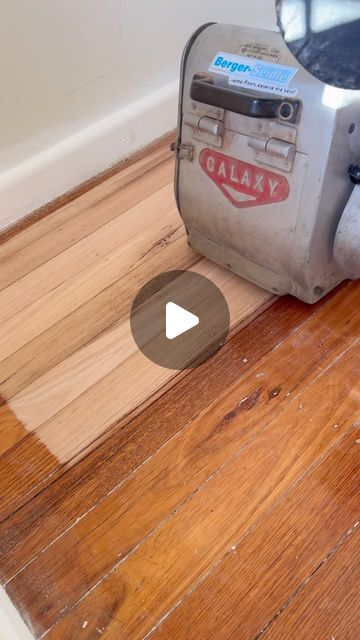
(221,503)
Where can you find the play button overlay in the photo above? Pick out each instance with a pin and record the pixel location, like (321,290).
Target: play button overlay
(179,319)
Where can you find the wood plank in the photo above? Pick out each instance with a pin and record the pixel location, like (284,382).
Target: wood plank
(140,589)
(73,376)
(123,390)
(118,176)
(66,498)
(92,318)
(14,423)
(142,220)
(67,571)
(69,296)
(78,220)
(328,604)
(105,188)
(266,568)
(128,491)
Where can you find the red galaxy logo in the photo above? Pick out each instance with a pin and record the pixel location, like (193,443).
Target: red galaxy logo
(244,184)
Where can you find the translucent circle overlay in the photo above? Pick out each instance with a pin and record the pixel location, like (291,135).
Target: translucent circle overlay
(194,293)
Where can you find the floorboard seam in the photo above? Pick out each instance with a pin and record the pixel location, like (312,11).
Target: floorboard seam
(103,331)
(309,578)
(201,486)
(82,212)
(266,513)
(232,549)
(141,261)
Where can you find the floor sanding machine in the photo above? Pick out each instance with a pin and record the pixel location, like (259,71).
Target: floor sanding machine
(268,147)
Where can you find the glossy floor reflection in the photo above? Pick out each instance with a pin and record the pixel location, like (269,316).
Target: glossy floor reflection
(138,501)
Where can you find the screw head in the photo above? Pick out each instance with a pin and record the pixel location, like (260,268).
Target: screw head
(354,173)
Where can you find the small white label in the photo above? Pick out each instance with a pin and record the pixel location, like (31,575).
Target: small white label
(252,73)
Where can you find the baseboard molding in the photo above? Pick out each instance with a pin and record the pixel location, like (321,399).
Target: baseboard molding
(74,161)
(12,626)
(150,156)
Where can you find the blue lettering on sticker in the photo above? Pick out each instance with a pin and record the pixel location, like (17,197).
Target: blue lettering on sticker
(234,67)
(268,72)
(279,75)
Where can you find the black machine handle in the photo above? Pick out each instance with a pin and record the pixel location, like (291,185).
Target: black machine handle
(204,90)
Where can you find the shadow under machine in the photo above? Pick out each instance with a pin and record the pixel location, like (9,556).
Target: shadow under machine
(268,147)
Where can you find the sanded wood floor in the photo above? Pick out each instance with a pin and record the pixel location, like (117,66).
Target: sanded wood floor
(138,502)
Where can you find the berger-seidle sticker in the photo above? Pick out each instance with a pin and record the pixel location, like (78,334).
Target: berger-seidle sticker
(242,183)
(252,73)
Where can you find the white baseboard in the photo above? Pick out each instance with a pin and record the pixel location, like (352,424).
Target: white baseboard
(61,168)
(12,626)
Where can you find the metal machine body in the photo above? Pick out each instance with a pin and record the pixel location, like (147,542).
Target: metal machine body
(263,150)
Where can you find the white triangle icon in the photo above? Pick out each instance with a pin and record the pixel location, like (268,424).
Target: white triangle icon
(178,320)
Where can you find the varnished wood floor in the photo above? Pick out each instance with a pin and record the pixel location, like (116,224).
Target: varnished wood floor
(137,502)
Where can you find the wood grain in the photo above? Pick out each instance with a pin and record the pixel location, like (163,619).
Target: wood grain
(138,501)
(88,321)
(79,289)
(172,232)
(98,406)
(142,589)
(211,440)
(328,604)
(74,376)
(37,243)
(131,441)
(124,171)
(265,569)
(12,424)
(111,237)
